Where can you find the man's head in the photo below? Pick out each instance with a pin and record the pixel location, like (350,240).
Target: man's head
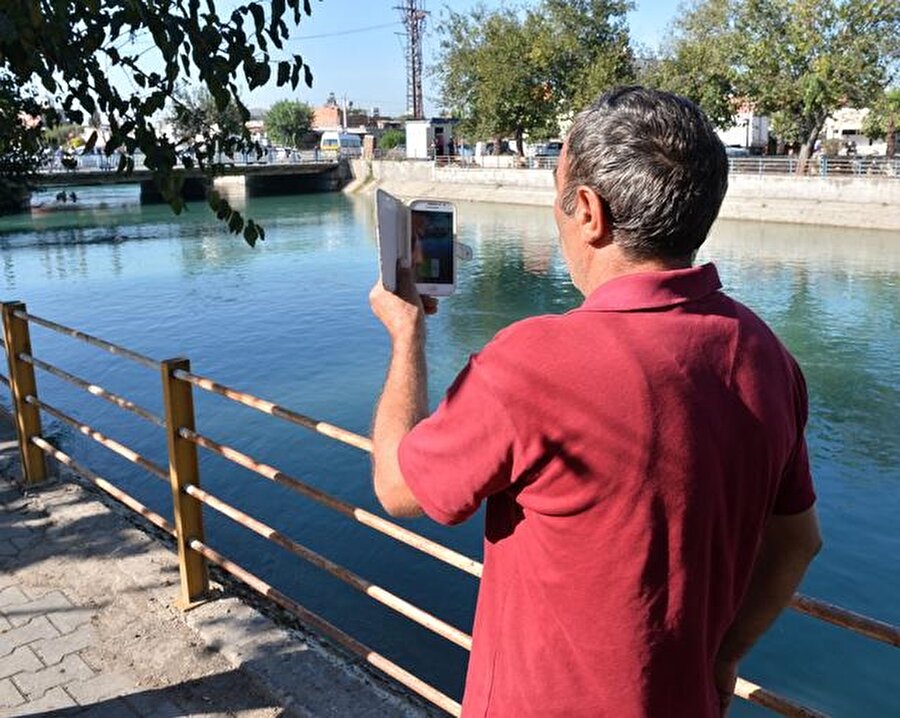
(657,166)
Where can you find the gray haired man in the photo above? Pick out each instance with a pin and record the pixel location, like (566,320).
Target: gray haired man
(642,457)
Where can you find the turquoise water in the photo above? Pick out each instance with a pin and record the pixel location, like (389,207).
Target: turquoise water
(289,321)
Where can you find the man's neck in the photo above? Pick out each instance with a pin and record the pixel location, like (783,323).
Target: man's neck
(610,262)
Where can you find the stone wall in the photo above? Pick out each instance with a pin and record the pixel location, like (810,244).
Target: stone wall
(864,202)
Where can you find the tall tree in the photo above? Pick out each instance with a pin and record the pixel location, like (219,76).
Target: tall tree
(492,78)
(72,49)
(803,59)
(586,48)
(287,121)
(883,120)
(795,60)
(699,61)
(516,73)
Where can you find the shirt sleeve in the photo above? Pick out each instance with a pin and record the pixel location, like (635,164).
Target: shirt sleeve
(795,492)
(462,453)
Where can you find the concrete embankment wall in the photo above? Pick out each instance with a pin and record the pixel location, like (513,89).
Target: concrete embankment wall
(863,202)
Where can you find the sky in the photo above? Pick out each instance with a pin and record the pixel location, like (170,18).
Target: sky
(355,50)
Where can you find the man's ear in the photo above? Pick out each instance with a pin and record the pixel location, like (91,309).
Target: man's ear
(590,212)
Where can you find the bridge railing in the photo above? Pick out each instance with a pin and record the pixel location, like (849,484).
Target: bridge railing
(178,383)
(99,162)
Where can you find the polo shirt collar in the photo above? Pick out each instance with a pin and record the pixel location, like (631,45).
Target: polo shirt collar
(654,290)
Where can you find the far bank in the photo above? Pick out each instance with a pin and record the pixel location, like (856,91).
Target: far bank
(854,202)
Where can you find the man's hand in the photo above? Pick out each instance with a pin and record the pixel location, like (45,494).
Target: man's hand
(725,673)
(402,313)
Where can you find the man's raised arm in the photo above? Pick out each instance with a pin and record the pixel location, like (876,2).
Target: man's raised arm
(404,401)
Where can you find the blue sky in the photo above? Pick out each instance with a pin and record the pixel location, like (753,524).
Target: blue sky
(368,66)
(355,49)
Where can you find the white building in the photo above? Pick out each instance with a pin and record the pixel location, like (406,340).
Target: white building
(427,138)
(845,125)
(749,131)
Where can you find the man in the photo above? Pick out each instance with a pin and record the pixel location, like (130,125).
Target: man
(649,501)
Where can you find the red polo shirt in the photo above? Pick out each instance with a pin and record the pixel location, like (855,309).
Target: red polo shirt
(630,452)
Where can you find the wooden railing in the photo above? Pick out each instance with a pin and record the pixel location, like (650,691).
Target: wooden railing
(194,554)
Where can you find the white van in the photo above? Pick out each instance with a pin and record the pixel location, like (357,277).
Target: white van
(345,144)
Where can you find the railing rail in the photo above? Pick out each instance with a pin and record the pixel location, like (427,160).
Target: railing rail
(188,497)
(96,390)
(818,166)
(88,339)
(366,518)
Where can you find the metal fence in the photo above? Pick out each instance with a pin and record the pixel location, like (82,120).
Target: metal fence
(178,383)
(98,161)
(816,167)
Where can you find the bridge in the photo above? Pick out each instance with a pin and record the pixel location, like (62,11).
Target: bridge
(271,174)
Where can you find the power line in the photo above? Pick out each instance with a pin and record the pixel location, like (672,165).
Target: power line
(346,32)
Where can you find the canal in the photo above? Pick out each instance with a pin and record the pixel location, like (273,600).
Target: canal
(289,321)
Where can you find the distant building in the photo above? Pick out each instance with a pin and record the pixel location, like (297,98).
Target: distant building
(335,116)
(845,126)
(427,138)
(750,130)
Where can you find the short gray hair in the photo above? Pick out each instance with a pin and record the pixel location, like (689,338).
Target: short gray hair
(657,163)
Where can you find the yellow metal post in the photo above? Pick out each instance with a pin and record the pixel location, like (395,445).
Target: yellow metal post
(22,385)
(183,470)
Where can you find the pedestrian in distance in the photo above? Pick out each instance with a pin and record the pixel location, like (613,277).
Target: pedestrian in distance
(649,504)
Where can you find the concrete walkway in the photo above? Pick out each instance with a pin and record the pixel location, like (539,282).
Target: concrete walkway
(87,627)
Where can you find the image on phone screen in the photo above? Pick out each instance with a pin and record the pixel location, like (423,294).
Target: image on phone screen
(431,240)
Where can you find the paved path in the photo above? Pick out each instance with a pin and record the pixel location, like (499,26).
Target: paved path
(87,627)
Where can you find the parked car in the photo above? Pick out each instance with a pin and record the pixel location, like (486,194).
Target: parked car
(548,149)
(736,151)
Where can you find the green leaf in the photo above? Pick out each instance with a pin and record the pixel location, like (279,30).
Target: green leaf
(235,223)
(259,20)
(250,233)
(284,73)
(91,141)
(307,76)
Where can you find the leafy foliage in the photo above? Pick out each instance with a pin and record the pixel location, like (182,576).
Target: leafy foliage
(795,60)
(21,120)
(288,121)
(883,121)
(584,44)
(391,139)
(195,113)
(507,74)
(700,62)
(71,48)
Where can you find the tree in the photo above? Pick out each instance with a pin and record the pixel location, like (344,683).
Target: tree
(803,59)
(71,49)
(795,60)
(391,139)
(586,48)
(196,114)
(883,120)
(21,120)
(515,74)
(287,121)
(700,61)
(492,78)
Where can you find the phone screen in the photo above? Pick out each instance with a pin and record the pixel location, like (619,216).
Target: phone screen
(431,242)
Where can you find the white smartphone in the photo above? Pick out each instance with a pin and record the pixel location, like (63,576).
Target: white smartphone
(432,229)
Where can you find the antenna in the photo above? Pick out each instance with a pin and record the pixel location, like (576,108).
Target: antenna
(413,13)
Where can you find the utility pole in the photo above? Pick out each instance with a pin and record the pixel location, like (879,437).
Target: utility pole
(413,13)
